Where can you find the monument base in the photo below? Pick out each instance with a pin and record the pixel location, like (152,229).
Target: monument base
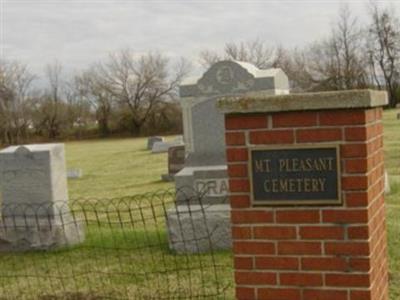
(207,183)
(198,229)
(29,234)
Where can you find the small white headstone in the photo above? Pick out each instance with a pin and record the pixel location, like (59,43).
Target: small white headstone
(74,173)
(387,183)
(161,147)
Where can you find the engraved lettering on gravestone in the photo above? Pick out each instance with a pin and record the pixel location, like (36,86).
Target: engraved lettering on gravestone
(212,187)
(295,176)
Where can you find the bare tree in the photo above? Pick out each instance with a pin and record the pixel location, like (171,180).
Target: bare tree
(50,109)
(92,89)
(384,50)
(256,52)
(138,83)
(295,63)
(15,88)
(338,63)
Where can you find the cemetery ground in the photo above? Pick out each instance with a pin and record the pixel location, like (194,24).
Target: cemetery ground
(118,168)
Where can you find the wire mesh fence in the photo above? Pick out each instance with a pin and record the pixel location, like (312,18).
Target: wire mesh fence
(111,249)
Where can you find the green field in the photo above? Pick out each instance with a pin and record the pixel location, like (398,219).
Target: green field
(123,167)
(392,164)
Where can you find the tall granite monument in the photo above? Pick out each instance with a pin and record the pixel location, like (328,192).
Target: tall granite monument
(205,170)
(205,167)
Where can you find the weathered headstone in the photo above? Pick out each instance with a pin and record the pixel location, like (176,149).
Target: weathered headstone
(176,160)
(153,139)
(74,173)
(387,183)
(162,147)
(34,208)
(205,171)
(204,125)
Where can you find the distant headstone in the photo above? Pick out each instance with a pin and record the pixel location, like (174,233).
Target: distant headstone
(74,173)
(162,147)
(153,139)
(176,161)
(205,170)
(35,212)
(387,183)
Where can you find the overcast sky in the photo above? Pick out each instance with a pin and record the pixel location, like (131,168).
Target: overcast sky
(78,33)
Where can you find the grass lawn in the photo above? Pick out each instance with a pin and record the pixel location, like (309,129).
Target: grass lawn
(123,167)
(392,163)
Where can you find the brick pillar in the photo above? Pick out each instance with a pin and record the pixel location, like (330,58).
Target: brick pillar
(335,252)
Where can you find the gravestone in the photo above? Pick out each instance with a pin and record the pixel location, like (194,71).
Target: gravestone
(162,147)
(34,208)
(74,173)
(176,160)
(387,183)
(153,139)
(205,171)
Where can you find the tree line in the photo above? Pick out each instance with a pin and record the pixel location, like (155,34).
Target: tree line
(135,94)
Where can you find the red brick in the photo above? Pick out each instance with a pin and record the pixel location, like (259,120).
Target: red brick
(322,232)
(244,293)
(299,248)
(347,280)
(353,150)
(251,216)
(278,294)
(318,135)
(235,138)
(359,133)
(237,170)
(361,295)
(351,183)
(239,201)
(297,216)
(243,263)
(237,154)
(240,233)
(300,279)
(360,264)
(275,232)
(354,199)
(345,216)
(255,278)
(247,121)
(324,264)
(370,115)
(250,247)
(294,119)
(272,137)
(342,117)
(347,248)
(277,263)
(358,232)
(361,165)
(239,185)
(324,295)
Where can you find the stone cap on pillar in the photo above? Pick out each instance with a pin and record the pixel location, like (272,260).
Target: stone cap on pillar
(350,99)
